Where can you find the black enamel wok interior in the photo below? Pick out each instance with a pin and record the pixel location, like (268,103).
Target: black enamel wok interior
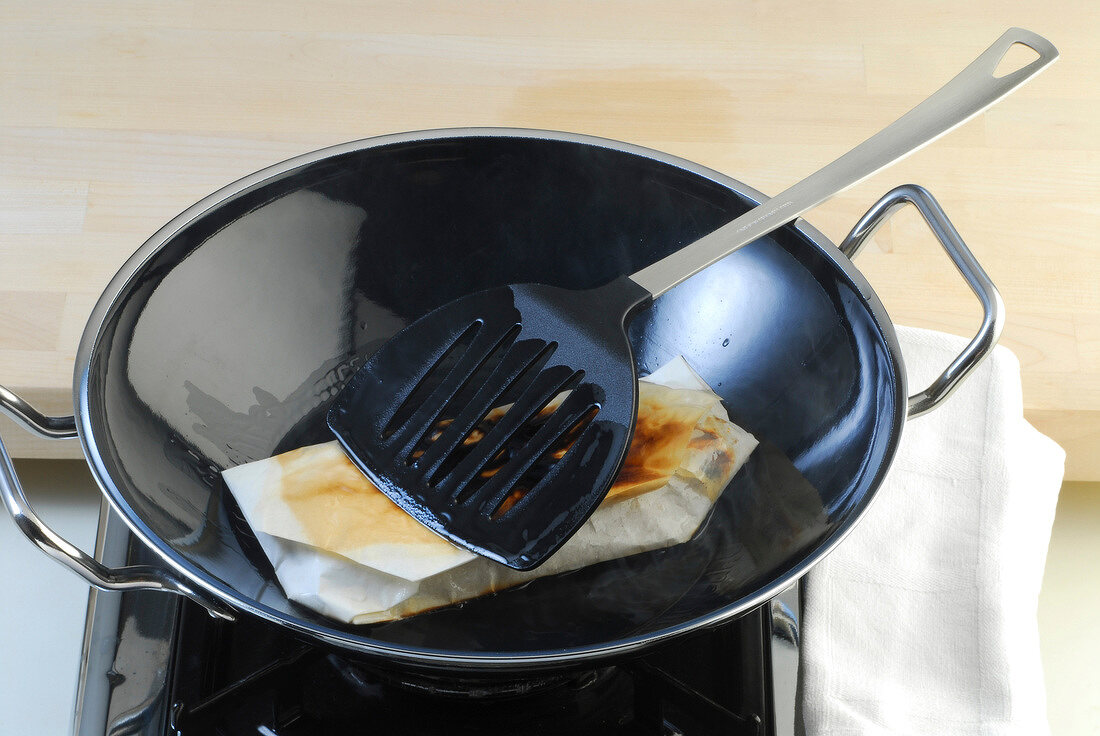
(240,321)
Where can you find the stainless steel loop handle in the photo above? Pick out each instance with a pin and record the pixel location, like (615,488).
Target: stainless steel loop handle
(137,577)
(34,421)
(967,94)
(992,307)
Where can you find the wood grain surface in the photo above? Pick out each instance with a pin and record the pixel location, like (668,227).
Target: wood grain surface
(115,116)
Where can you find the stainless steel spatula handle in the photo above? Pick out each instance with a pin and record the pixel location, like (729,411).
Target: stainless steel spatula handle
(970,92)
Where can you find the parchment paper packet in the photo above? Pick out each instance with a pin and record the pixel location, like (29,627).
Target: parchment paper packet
(340,547)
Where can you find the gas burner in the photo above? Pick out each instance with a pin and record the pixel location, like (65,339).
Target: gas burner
(343,693)
(460,686)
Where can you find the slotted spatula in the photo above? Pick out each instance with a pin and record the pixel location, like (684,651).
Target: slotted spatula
(500,420)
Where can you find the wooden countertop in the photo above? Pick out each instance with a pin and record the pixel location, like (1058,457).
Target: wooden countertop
(114,117)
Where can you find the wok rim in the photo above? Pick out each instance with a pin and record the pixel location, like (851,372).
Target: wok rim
(421,657)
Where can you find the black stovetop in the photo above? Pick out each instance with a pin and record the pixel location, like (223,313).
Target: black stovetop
(158,664)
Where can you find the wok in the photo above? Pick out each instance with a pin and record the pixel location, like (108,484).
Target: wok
(226,336)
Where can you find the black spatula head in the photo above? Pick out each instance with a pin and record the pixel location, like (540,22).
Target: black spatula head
(500,419)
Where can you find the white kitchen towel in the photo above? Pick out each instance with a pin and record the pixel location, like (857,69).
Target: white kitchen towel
(923,620)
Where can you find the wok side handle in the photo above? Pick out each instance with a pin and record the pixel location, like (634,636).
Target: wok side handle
(134,577)
(993,316)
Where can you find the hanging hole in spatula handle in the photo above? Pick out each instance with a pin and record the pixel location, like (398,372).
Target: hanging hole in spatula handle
(1045,50)
(992,306)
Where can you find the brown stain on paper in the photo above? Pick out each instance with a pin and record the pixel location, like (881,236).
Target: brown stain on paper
(338,508)
(661,435)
